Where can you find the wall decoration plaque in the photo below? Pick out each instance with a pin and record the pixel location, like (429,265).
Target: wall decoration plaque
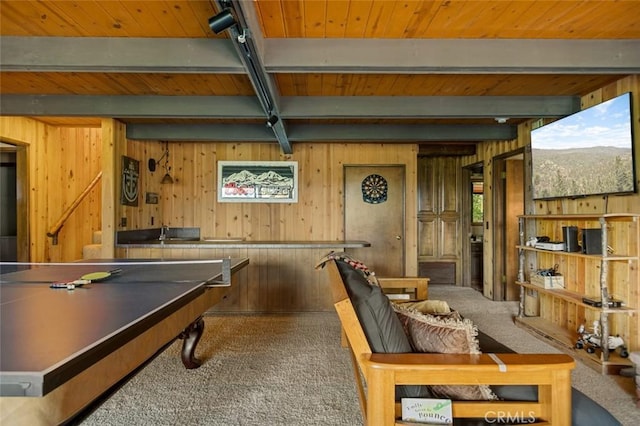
(130,181)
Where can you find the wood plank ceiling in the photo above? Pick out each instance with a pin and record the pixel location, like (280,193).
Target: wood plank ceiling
(322,70)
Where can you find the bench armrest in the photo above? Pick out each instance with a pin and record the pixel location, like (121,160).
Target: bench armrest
(491,369)
(417,285)
(551,373)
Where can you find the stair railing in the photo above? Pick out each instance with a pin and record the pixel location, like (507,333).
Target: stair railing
(55,229)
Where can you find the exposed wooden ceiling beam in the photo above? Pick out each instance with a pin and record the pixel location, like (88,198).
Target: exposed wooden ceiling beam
(200,132)
(436,150)
(461,56)
(132,106)
(400,132)
(427,106)
(298,107)
(386,133)
(119,54)
(188,55)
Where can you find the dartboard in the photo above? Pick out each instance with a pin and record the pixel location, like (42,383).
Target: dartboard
(374,189)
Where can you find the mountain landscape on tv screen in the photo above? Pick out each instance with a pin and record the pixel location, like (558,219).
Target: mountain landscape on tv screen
(582,171)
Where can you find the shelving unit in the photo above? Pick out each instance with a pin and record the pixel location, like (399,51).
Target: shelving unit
(611,274)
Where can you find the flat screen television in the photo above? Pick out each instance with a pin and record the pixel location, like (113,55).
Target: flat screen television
(590,152)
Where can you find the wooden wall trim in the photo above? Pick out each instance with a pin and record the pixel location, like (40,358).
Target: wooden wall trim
(23,204)
(113,147)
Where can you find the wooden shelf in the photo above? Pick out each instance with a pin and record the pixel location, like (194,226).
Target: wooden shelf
(619,268)
(578,254)
(576,298)
(608,216)
(564,340)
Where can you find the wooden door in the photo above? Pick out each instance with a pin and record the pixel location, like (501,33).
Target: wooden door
(374,212)
(508,192)
(514,194)
(439,219)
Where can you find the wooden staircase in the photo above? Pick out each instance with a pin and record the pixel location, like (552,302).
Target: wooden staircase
(93,250)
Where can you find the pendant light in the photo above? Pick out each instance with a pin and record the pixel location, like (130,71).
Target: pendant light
(166,179)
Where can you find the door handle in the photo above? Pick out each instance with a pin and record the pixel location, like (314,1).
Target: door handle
(398,237)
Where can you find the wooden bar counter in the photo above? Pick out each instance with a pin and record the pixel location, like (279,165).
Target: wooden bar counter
(232,243)
(280,277)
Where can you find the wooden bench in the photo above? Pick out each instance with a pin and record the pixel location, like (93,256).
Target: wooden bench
(377,375)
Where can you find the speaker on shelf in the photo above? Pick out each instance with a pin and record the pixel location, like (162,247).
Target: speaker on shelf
(592,241)
(570,238)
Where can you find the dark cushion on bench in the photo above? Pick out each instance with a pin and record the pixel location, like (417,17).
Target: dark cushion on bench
(489,345)
(379,321)
(585,411)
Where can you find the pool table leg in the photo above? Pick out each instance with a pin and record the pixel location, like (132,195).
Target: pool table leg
(191,336)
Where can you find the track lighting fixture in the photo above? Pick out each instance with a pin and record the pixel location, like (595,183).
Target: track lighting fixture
(232,17)
(222,21)
(272,121)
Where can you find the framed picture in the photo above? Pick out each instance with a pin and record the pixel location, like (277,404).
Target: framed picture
(258,181)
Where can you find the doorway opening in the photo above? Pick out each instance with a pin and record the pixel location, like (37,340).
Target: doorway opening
(508,203)
(473,223)
(8,200)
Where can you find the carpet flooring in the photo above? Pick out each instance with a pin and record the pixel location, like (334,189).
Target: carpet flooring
(615,393)
(257,370)
(289,369)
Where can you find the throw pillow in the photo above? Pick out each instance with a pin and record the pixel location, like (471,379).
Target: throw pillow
(428,306)
(432,334)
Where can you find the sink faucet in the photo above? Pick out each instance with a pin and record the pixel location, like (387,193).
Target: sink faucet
(164,230)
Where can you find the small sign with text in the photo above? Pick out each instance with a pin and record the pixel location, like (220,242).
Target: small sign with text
(427,410)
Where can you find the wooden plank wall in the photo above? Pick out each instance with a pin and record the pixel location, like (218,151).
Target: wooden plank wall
(317,216)
(72,161)
(62,162)
(625,276)
(277,279)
